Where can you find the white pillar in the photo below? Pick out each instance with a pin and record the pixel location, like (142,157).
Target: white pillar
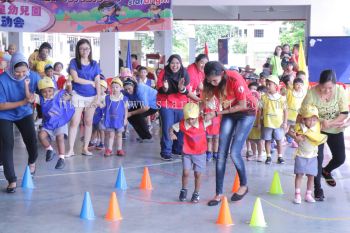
(191,50)
(109,53)
(163,43)
(17,39)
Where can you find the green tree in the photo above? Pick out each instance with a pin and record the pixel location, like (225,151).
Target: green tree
(180,40)
(210,33)
(294,33)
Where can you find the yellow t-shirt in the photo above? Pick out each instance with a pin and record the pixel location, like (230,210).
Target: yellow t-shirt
(273,107)
(329,110)
(294,101)
(37,64)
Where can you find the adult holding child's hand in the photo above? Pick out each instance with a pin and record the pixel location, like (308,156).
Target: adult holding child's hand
(331,101)
(86,97)
(16,94)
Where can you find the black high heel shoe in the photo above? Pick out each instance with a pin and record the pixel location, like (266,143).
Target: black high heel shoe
(11,189)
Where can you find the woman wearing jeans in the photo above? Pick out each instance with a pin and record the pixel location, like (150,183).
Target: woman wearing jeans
(238,116)
(15,108)
(331,102)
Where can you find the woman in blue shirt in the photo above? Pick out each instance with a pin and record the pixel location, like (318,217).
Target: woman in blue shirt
(86,77)
(15,108)
(142,103)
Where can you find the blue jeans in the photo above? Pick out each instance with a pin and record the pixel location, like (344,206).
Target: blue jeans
(168,117)
(235,128)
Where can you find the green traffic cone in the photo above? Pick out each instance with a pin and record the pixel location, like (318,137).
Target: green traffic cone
(258,219)
(276,187)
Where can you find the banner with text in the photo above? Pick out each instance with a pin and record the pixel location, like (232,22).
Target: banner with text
(85,15)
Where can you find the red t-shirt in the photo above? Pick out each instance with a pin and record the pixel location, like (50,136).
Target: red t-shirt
(196,77)
(195,139)
(173,101)
(237,90)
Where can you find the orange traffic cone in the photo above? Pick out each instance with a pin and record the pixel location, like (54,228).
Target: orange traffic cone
(236,184)
(146,183)
(113,213)
(224,214)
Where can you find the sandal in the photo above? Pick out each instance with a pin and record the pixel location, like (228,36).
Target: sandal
(32,168)
(329,178)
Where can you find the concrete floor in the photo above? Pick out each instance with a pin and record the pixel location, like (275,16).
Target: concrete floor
(55,204)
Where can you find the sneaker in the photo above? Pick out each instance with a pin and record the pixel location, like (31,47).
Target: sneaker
(209,156)
(319,195)
(60,164)
(100,146)
(1,168)
(268,160)
(108,153)
(120,153)
(139,140)
(251,157)
(308,197)
(329,178)
(49,155)
(183,195)
(91,145)
(166,157)
(195,197)
(280,160)
(297,198)
(259,159)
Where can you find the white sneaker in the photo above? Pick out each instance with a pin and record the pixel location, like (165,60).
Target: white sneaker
(297,198)
(260,158)
(309,198)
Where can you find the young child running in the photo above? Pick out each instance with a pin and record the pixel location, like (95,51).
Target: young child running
(57,112)
(274,112)
(116,112)
(98,128)
(308,135)
(194,148)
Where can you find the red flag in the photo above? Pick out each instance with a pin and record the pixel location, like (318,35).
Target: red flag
(206,50)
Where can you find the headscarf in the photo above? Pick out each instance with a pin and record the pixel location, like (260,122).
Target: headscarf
(15,59)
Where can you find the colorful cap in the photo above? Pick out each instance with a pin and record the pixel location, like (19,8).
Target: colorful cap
(103,83)
(118,81)
(274,79)
(125,72)
(45,82)
(191,110)
(307,111)
(48,66)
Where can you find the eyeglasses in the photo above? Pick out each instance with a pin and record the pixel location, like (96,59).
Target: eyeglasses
(84,49)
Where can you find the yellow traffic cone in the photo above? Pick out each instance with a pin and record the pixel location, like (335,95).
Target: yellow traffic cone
(258,219)
(276,187)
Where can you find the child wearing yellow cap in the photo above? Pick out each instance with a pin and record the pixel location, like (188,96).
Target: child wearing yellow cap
(194,148)
(116,117)
(274,113)
(57,111)
(98,128)
(308,135)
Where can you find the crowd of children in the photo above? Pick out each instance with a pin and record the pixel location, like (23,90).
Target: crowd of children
(280,94)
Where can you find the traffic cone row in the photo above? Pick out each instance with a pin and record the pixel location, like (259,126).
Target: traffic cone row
(257,218)
(113,212)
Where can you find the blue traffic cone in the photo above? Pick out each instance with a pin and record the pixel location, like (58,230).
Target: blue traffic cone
(27,181)
(87,211)
(121,182)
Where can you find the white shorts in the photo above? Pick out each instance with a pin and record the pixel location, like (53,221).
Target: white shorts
(79,101)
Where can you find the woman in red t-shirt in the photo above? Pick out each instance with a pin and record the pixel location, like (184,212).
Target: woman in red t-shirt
(196,73)
(238,116)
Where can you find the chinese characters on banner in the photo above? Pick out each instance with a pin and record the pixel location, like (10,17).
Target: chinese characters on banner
(85,16)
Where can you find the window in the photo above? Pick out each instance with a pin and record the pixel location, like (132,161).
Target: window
(258,33)
(245,32)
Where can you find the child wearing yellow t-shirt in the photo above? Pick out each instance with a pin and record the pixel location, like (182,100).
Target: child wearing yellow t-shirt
(274,113)
(308,135)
